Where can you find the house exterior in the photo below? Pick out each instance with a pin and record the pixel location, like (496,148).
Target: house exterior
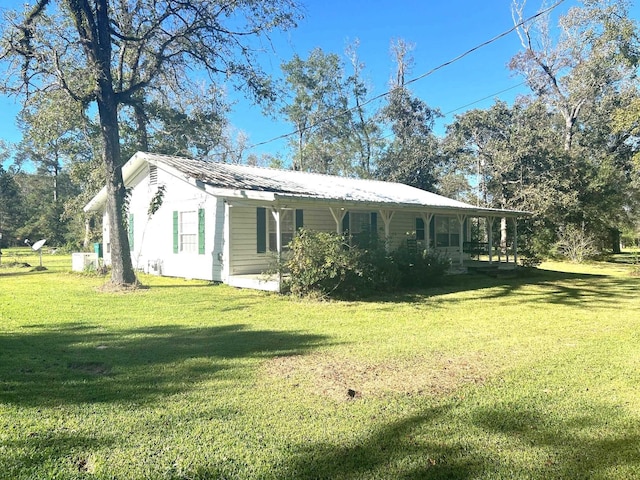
(227,223)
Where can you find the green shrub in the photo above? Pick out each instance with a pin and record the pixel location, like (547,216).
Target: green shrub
(324,264)
(320,263)
(419,268)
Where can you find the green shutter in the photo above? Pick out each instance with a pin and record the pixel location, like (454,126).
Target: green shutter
(373,227)
(419,228)
(175,231)
(299,219)
(261,229)
(345,223)
(130,228)
(201,231)
(432,231)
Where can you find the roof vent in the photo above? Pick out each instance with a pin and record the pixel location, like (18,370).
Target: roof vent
(153,175)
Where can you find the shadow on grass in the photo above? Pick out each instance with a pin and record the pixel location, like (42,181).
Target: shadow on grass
(556,287)
(396,450)
(77,363)
(525,445)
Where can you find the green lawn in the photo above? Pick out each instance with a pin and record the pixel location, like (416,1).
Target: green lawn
(532,377)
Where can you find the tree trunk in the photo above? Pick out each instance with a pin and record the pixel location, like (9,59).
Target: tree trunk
(615,240)
(121,267)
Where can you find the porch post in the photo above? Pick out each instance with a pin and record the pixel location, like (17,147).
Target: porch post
(338,215)
(461,219)
(386,216)
(276,216)
(426,218)
(490,235)
(515,241)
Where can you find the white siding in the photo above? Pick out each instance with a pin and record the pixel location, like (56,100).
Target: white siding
(153,236)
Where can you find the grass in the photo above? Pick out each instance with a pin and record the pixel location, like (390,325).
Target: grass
(530,377)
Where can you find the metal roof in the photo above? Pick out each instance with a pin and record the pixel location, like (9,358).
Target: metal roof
(301,185)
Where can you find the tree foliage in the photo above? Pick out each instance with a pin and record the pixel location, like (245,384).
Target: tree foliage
(412,156)
(116,53)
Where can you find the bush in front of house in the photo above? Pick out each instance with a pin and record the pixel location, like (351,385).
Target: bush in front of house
(326,265)
(419,268)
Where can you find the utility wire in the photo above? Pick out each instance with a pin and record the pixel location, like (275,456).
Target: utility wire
(484,98)
(420,77)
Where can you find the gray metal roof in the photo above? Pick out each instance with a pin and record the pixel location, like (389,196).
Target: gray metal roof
(303,185)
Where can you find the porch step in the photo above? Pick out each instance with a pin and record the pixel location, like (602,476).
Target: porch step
(495,271)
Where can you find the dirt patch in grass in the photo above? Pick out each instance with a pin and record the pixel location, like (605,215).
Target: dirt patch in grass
(111,287)
(346,378)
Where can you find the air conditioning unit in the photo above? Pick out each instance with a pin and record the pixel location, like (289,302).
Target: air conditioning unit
(83,261)
(154,267)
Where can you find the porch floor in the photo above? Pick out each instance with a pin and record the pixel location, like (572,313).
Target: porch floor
(256,281)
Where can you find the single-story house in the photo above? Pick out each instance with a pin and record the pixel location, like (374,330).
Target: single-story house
(226,223)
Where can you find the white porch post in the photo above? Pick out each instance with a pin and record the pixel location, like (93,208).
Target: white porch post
(338,215)
(461,219)
(276,217)
(386,216)
(515,241)
(426,218)
(490,235)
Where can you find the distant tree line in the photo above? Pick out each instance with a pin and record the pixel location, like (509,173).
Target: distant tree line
(567,152)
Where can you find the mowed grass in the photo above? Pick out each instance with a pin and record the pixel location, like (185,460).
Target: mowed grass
(528,377)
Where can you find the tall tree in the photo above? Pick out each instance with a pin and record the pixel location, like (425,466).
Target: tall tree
(10,200)
(595,51)
(412,156)
(319,111)
(365,131)
(111,52)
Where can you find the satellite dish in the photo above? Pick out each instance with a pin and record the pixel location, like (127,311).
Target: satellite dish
(38,245)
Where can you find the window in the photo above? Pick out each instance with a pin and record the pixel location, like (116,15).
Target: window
(286,230)
(267,230)
(447,232)
(188,231)
(362,227)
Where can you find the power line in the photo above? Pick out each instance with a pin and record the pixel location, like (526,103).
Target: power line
(484,98)
(420,77)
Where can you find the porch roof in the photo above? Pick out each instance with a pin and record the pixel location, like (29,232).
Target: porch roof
(278,186)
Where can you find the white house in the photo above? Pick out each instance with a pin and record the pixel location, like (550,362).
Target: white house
(226,223)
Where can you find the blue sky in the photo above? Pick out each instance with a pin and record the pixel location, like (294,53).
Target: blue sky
(440,31)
